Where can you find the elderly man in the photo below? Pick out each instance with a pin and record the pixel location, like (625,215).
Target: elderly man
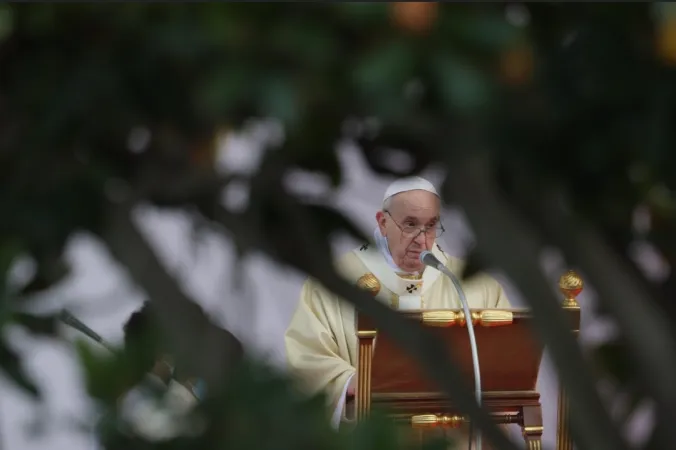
(321,341)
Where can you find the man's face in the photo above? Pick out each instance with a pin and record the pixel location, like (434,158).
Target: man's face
(413,210)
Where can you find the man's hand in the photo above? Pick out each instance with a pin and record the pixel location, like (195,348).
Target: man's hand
(352,387)
(163,369)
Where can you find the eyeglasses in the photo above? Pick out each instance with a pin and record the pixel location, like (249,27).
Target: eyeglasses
(411,231)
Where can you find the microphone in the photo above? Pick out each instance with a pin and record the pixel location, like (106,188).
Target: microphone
(69,319)
(428,259)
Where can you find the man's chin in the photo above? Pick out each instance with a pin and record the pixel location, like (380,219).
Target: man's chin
(413,266)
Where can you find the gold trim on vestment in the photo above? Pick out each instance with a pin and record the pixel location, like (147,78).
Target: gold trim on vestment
(369,283)
(394,301)
(409,276)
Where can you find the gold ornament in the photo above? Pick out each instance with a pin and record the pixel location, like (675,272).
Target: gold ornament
(394,301)
(570,285)
(369,283)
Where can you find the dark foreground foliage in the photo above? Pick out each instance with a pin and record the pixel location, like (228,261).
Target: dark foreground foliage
(554,123)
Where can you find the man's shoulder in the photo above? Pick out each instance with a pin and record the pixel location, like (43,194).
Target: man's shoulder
(453,263)
(349,265)
(457,265)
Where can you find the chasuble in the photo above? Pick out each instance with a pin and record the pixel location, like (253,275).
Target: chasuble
(321,341)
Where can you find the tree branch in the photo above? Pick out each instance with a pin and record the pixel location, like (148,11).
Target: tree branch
(180,188)
(507,243)
(182,321)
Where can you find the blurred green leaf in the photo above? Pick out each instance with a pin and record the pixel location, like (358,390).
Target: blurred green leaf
(10,363)
(43,325)
(364,14)
(331,221)
(40,19)
(227,25)
(10,249)
(308,44)
(473,265)
(487,30)
(323,133)
(613,358)
(260,397)
(278,98)
(226,89)
(380,433)
(376,148)
(6,21)
(381,74)
(464,88)
(106,375)
(50,271)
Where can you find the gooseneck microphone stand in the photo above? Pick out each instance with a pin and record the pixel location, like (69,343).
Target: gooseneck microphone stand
(428,259)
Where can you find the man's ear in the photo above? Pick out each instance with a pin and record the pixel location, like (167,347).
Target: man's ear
(381,219)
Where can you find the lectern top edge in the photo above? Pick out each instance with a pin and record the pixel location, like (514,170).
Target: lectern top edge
(480,317)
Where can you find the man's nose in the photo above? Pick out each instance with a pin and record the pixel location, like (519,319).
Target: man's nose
(420,239)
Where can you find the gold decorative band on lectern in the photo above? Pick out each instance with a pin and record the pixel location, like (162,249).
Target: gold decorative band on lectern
(485,318)
(434,420)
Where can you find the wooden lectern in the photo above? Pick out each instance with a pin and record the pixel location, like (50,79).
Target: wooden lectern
(509,357)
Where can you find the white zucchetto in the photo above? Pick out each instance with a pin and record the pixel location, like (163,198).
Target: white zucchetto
(409,184)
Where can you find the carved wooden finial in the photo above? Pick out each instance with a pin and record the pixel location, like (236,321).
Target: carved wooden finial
(570,285)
